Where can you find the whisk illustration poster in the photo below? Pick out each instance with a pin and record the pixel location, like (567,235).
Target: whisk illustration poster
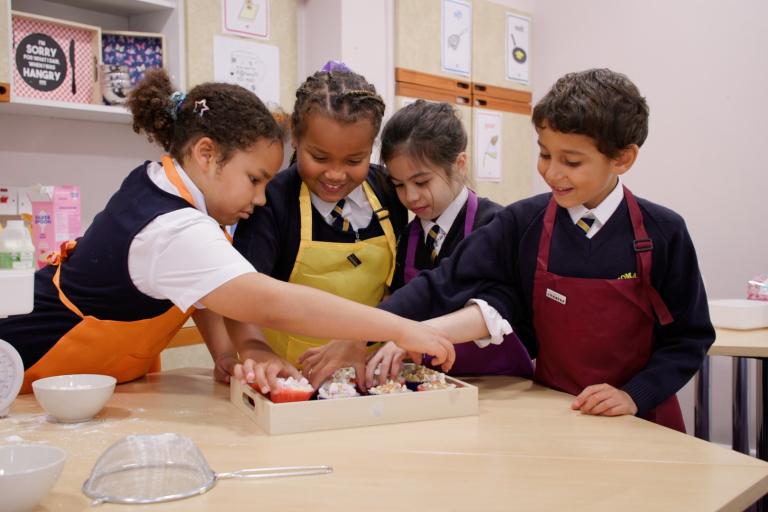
(456,35)
(487,145)
(518,54)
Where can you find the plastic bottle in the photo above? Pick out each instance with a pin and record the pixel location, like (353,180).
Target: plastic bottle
(16,249)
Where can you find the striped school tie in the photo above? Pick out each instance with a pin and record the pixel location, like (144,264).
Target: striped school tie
(339,222)
(585,223)
(432,234)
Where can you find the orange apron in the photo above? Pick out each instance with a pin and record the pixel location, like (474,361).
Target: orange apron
(124,350)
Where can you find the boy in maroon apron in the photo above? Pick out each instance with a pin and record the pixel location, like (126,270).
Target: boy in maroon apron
(603,287)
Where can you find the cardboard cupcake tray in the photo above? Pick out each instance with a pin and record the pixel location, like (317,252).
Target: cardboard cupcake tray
(360,411)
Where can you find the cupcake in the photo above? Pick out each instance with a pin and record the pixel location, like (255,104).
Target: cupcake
(435,385)
(291,390)
(389,388)
(346,375)
(330,390)
(415,374)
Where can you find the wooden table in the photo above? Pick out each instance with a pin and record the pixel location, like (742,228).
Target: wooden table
(739,345)
(526,450)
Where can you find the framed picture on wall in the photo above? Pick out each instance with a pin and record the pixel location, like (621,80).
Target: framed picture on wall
(138,51)
(54,59)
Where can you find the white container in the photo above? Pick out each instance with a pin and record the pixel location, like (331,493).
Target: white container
(16,249)
(739,313)
(74,398)
(17,292)
(360,411)
(27,473)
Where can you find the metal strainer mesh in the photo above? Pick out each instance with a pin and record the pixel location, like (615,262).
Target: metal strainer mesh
(164,467)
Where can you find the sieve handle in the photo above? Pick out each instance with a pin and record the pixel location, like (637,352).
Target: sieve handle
(277,472)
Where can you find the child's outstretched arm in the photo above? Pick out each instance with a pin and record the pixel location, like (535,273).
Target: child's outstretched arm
(262,300)
(223,352)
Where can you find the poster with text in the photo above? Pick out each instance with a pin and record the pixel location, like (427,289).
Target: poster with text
(518,53)
(252,65)
(249,18)
(487,145)
(456,37)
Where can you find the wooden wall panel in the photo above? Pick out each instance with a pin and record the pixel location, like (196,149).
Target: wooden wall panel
(517,164)
(489,27)
(204,22)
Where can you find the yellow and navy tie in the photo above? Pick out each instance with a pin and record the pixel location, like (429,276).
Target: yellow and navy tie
(585,223)
(339,222)
(432,235)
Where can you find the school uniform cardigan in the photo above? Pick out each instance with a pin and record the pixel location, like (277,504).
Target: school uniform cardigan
(497,264)
(270,238)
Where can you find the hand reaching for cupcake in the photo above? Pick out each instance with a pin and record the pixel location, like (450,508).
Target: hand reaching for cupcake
(262,368)
(388,360)
(421,338)
(319,363)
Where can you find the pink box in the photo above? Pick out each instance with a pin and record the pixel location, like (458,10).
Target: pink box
(757,288)
(55,218)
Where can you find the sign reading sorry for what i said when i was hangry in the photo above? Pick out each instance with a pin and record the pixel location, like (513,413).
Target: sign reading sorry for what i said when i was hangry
(41,62)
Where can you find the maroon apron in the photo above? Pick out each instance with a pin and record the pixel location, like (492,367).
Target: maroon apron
(594,331)
(508,358)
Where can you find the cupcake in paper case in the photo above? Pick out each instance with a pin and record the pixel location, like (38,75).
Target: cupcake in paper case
(415,374)
(389,388)
(346,375)
(330,390)
(435,385)
(290,390)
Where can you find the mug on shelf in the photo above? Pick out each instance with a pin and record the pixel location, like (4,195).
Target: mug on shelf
(115,83)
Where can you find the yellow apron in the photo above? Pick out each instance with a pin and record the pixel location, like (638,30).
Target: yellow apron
(124,350)
(358,271)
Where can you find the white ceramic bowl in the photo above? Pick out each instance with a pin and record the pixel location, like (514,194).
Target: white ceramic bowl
(27,473)
(73,398)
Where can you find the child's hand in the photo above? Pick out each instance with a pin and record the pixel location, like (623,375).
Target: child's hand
(419,338)
(319,363)
(389,358)
(224,366)
(604,400)
(263,368)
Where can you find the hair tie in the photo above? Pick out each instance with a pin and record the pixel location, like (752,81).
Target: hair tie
(335,65)
(176,99)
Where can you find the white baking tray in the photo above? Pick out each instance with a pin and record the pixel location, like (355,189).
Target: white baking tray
(360,411)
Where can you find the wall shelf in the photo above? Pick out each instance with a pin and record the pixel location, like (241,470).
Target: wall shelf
(165,17)
(60,109)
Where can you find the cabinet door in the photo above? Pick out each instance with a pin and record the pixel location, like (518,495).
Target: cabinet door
(490,45)
(418,25)
(515,151)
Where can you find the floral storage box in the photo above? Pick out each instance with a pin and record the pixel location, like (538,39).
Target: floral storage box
(138,51)
(54,59)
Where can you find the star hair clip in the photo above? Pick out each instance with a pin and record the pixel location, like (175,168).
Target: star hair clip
(201,107)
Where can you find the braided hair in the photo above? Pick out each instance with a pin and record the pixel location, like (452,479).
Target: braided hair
(230,115)
(340,94)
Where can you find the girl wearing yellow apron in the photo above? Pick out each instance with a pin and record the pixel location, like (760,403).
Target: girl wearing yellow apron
(110,302)
(331,220)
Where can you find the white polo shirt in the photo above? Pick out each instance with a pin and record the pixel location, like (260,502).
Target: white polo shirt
(183,255)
